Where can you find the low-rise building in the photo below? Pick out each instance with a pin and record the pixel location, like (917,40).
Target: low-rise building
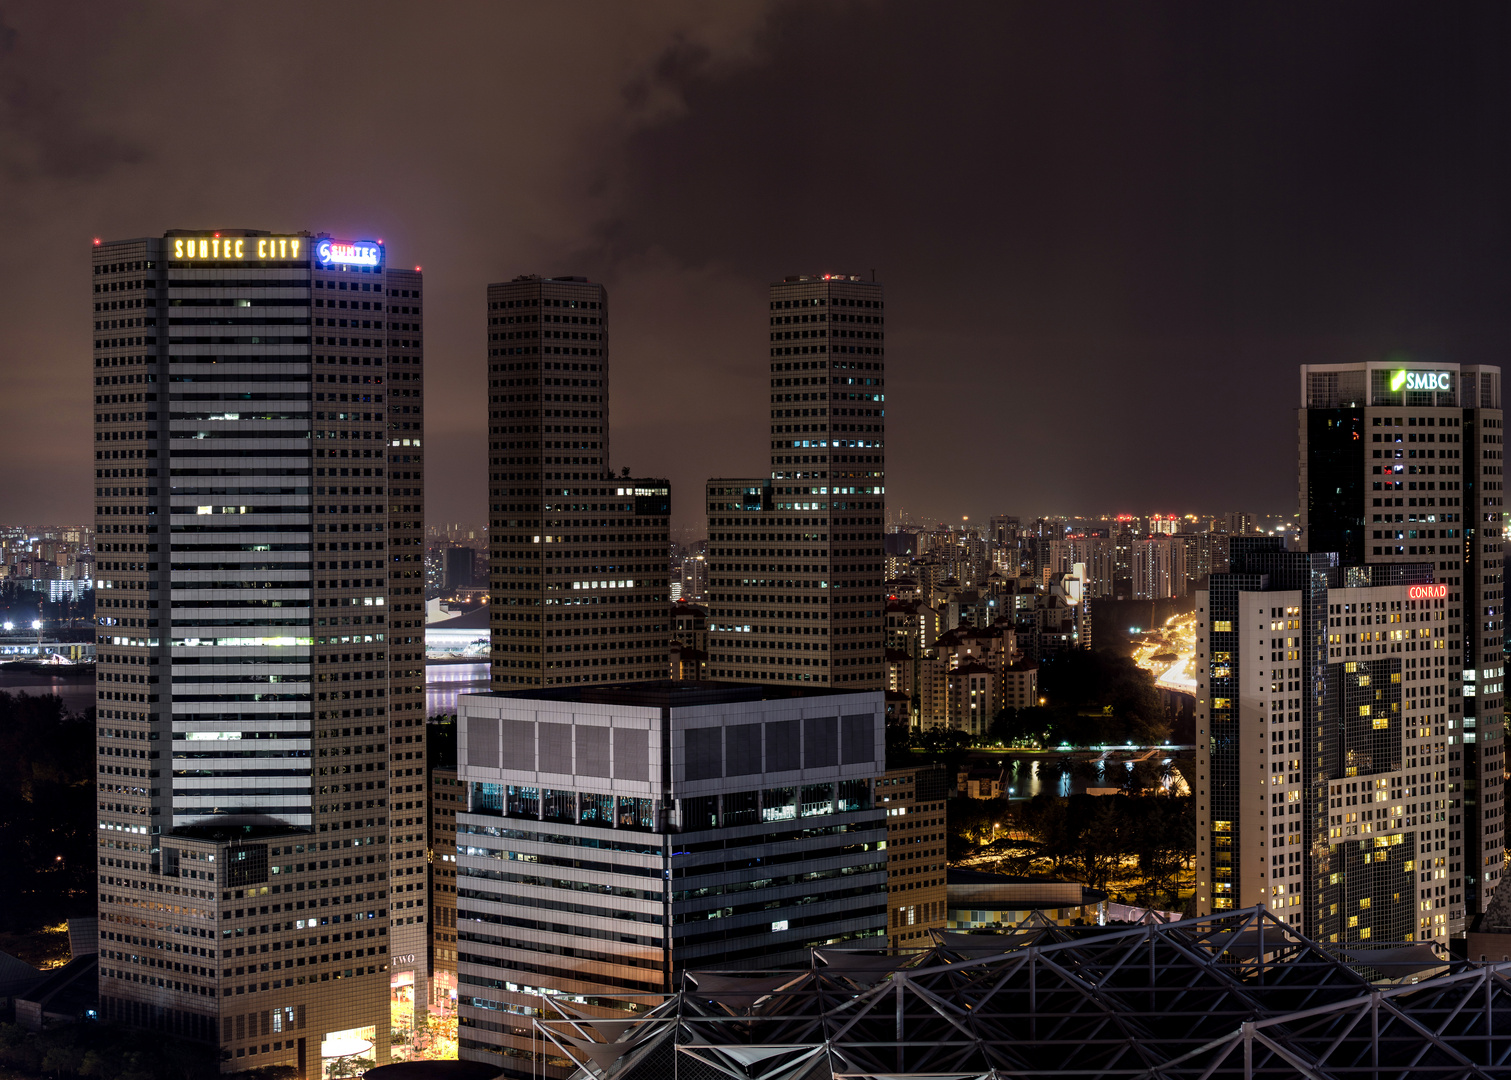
(914,801)
(979,900)
(609,837)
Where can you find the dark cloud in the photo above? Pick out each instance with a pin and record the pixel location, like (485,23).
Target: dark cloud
(44,133)
(1109,236)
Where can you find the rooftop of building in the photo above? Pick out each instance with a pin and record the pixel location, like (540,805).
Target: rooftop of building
(808,279)
(666,694)
(233,232)
(434,1070)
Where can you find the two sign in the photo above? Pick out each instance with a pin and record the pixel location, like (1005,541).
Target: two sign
(327,252)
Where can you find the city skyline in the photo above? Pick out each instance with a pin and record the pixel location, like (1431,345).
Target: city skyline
(1093,272)
(589,512)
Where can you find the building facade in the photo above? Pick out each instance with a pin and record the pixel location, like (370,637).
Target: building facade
(1159,568)
(914,803)
(258,513)
(609,839)
(578,575)
(1326,751)
(445,804)
(1404,465)
(795,558)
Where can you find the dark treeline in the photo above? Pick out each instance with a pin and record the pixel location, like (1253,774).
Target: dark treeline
(1142,846)
(1091,698)
(47,812)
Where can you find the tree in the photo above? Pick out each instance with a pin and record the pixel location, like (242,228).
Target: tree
(1102,845)
(971,823)
(61,1058)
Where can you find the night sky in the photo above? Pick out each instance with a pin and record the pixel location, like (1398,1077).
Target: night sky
(1109,233)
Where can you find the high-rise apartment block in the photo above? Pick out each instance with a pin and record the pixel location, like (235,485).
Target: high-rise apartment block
(1095,551)
(1403,465)
(1326,747)
(616,836)
(578,558)
(258,444)
(1159,568)
(795,558)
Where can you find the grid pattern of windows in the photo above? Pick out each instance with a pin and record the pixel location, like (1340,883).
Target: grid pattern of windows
(795,558)
(578,570)
(246,498)
(1429,488)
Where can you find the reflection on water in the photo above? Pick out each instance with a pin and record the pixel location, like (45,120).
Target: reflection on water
(77,692)
(443,682)
(1026,777)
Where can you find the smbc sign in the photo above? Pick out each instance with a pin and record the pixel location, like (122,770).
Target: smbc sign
(1421,381)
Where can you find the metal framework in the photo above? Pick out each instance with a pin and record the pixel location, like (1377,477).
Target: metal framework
(1239,994)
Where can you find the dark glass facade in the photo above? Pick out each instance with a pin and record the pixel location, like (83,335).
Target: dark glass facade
(1335,482)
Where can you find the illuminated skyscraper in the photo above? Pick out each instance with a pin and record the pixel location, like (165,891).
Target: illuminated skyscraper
(1314,722)
(795,559)
(258,431)
(1361,692)
(577,567)
(1402,465)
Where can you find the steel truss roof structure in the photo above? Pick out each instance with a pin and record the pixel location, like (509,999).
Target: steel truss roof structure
(1239,994)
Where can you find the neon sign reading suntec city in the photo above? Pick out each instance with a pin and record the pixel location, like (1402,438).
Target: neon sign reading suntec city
(1427,592)
(1431,381)
(239,247)
(336,253)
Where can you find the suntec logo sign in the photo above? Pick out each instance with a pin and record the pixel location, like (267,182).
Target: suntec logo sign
(1428,381)
(336,253)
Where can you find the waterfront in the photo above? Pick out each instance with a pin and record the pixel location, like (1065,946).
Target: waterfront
(75,687)
(1075,772)
(445,680)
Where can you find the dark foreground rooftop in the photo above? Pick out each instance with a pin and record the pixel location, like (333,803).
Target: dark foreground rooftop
(433,1070)
(1237,995)
(665,694)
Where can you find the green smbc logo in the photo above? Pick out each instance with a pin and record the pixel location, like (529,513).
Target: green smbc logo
(1421,380)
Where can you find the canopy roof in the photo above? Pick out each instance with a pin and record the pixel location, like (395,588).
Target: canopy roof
(1239,994)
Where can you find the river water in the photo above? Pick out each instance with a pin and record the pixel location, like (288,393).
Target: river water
(443,682)
(1043,774)
(76,690)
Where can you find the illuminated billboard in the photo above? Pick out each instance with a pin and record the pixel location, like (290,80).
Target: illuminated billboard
(222,248)
(1421,381)
(1427,592)
(343,253)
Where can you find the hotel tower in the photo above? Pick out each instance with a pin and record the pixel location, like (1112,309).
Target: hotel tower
(1351,754)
